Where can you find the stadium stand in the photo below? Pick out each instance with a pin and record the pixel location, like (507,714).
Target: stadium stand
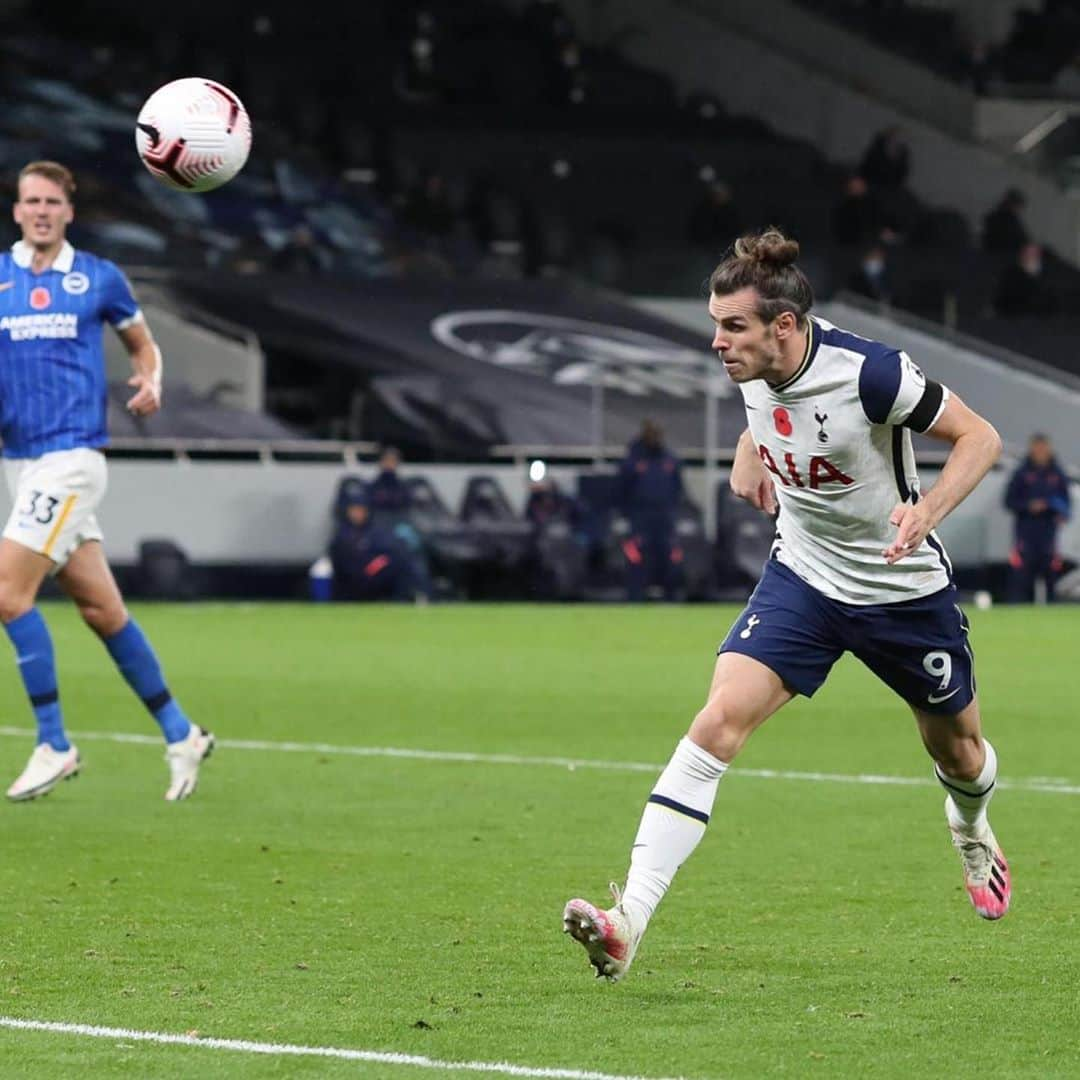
(1040,45)
(472,155)
(477,140)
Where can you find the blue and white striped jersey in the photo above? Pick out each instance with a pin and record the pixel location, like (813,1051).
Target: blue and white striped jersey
(52,365)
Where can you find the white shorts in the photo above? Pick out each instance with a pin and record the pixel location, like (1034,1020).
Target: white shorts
(55,497)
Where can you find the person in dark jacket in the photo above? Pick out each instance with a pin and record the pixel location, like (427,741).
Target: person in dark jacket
(1023,290)
(1038,494)
(548,503)
(887,161)
(856,218)
(369,561)
(1004,230)
(391,501)
(388,491)
(650,489)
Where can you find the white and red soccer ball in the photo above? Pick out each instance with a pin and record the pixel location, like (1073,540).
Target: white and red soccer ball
(193,134)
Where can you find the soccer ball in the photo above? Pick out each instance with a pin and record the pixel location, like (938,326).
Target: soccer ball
(193,134)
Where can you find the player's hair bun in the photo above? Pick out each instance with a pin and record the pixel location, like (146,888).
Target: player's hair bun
(765,262)
(770,247)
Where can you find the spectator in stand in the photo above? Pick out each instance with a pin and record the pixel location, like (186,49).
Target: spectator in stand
(871,277)
(1023,289)
(885,167)
(650,489)
(301,254)
(980,67)
(1004,230)
(887,161)
(856,218)
(427,207)
(715,220)
(388,490)
(1038,494)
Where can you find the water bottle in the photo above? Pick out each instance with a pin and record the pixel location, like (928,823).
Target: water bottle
(321,579)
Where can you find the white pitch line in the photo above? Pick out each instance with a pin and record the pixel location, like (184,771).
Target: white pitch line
(468,757)
(381,1057)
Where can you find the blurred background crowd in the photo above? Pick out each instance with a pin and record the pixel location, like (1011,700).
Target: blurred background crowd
(474,147)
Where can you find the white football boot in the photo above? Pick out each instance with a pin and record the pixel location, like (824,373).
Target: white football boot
(45,769)
(184,758)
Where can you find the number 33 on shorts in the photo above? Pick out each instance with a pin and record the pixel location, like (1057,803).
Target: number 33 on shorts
(53,500)
(40,506)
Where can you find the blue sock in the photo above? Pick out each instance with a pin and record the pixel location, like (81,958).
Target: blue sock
(138,664)
(34,652)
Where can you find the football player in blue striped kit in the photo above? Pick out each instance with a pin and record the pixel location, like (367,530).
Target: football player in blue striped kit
(855,567)
(54,303)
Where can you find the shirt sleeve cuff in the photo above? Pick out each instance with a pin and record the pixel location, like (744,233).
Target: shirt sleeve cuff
(131,320)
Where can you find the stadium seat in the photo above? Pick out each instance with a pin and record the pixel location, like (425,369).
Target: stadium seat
(695,551)
(744,539)
(454,549)
(486,509)
(485,501)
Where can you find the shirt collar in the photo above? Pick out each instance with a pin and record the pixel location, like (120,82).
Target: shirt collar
(23,255)
(813,340)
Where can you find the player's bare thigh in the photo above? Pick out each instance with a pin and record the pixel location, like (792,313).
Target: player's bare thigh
(89,581)
(954,742)
(21,573)
(743,695)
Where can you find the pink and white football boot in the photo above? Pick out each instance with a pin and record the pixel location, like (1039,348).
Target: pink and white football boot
(986,873)
(608,936)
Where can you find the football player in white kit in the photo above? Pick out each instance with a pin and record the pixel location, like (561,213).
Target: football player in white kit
(856,566)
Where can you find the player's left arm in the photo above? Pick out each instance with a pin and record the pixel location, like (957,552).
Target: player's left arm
(146,368)
(976,445)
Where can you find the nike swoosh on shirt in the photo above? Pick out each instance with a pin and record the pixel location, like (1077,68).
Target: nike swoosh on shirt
(936,699)
(5,285)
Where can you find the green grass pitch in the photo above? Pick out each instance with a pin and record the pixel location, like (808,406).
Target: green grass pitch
(411,905)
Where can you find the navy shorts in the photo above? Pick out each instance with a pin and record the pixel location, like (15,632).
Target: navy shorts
(917,647)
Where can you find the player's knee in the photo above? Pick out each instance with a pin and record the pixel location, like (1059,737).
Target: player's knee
(15,599)
(720,728)
(104,619)
(960,758)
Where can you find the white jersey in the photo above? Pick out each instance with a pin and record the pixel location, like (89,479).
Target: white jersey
(837,438)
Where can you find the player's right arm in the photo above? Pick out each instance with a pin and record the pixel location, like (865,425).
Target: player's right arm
(750,480)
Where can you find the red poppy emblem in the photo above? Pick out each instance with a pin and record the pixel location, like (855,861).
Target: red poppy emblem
(40,298)
(782,419)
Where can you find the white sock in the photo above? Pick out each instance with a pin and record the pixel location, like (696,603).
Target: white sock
(671,827)
(967,800)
